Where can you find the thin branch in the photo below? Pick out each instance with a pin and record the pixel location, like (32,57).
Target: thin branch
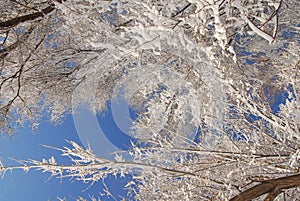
(182,10)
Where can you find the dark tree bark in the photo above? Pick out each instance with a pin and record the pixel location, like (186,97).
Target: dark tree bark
(272,188)
(15,21)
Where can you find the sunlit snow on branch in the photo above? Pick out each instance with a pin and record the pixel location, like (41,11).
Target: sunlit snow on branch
(229,69)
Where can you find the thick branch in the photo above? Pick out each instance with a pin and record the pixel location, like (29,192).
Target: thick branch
(15,21)
(272,187)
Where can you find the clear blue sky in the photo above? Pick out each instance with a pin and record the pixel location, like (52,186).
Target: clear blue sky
(34,185)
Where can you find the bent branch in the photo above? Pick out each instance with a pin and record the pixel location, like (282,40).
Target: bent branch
(270,187)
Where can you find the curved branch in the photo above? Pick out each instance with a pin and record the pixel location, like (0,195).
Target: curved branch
(270,187)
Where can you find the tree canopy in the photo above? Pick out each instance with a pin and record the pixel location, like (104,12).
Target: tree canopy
(229,69)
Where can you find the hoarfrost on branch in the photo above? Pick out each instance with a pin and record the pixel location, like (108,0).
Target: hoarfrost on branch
(211,65)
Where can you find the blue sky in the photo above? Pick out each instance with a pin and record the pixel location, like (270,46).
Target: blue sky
(34,185)
(110,127)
